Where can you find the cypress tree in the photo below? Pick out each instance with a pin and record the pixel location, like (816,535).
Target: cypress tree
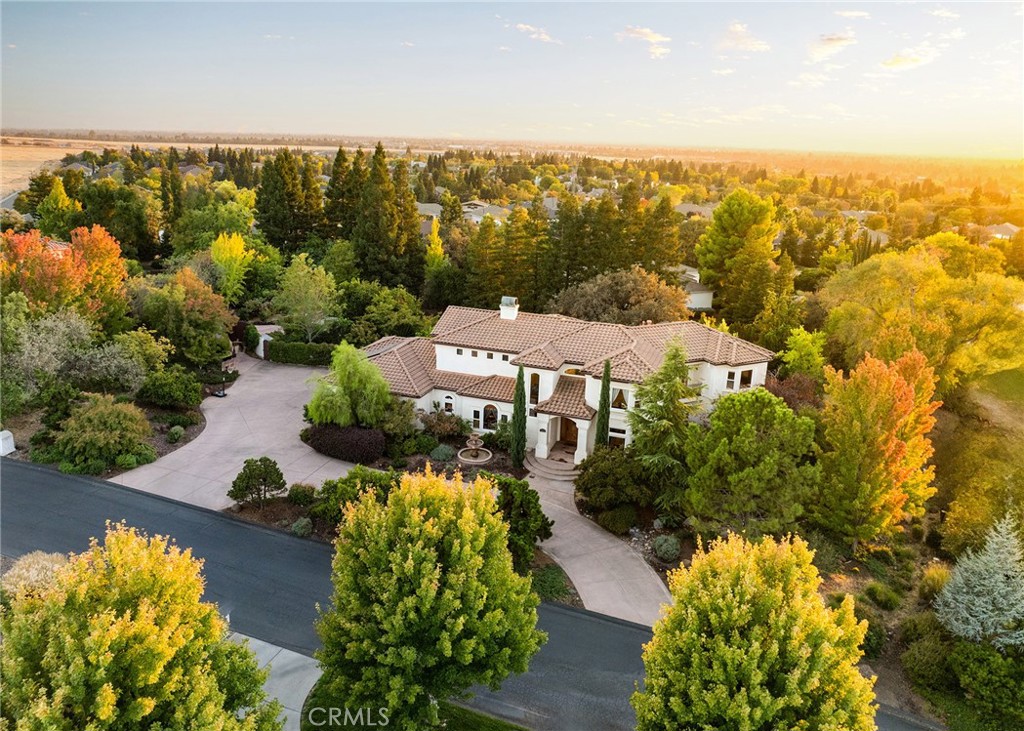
(517,448)
(376,230)
(604,406)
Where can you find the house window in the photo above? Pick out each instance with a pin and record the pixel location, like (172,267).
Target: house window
(730,381)
(504,357)
(449,404)
(573,372)
(619,398)
(476,418)
(490,417)
(534,387)
(474,354)
(458,351)
(746,379)
(490,356)
(504,418)
(617,437)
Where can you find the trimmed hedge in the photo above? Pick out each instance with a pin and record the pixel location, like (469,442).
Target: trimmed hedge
(350,443)
(618,520)
(314,354)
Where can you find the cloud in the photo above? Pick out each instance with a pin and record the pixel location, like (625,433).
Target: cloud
(272,37)
(829,45)
(656,41)
(910,58)
(537,34)
(957,34)
(944,14)
(723,72)
(853,14)
(408,44)
(810,81)
(504,49)
(12,45)
(737,37)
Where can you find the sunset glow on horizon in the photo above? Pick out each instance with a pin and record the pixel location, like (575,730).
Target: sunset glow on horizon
(937,79)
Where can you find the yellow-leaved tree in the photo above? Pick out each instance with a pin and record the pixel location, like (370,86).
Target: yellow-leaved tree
(749,644)
(118,639)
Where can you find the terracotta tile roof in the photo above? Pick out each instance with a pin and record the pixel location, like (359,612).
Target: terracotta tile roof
(568,399)
(549,342)
(494,388)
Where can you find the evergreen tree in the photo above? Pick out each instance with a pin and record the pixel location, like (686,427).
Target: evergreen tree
(568,236)
(517,445)
(659,248)
(311,207)
(376,230)
(334,198)
(273,213)
(484,265)
(538,256)
(351,195)
(983,601)
(604,406)
(749,644)
(410,246)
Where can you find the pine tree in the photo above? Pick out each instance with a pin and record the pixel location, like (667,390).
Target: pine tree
(410,246)
(273,213)
(659,250)
(484,265)
(311,207)
(983,601)
(604,406)
(517,446)
(334,198)
(749,644)
(376,230)
(351,195)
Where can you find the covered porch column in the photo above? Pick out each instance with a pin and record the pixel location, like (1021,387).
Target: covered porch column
(544,436)
(582,440)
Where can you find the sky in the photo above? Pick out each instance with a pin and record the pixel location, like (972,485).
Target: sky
(937,79)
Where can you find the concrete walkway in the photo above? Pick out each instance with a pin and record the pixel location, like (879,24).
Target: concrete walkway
(292,676)
(261,415)
(610,577)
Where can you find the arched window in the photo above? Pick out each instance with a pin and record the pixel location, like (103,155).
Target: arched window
(449,404)
(490,417)
(534,387)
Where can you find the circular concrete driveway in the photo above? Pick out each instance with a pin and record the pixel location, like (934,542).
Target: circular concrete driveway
(260,416)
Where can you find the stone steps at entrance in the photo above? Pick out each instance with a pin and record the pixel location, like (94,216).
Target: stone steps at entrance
(551,469)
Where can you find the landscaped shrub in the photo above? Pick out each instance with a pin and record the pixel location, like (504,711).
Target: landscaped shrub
(920,625)
(399,422)
(313,354)
(618,520)
(874,639)
(301,494)
(303,527)
(58,398)
(992,680)
(251,338)
(30,574)
(183,419)
(171,388)
(259,479)
(611,477)
(882,595)
(527,525)
(442,424)
(550,583)
(933,579)
(350,443)
(926,661)
(333,494)
(126,461)
(174,434)
(99,431)
(500,438)
(828,556)
(442,453)
(422,443)
(666,548)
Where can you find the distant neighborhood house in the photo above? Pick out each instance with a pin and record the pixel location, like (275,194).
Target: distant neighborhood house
(468,367)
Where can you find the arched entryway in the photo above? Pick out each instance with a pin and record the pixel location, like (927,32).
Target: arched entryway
(490,416)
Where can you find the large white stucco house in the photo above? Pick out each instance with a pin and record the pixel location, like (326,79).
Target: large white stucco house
(468,366)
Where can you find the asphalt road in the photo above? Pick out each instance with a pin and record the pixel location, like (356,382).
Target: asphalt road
(269,583)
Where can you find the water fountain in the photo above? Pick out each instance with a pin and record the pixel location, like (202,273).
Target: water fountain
(474,452)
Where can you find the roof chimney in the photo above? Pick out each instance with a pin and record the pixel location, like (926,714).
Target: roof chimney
(509,308)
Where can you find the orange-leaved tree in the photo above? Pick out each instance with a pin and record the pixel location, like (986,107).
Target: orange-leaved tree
(876,447)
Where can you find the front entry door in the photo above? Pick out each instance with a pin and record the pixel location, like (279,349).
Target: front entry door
(569,431)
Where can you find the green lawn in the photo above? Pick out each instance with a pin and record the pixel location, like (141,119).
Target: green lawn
(453,717)
(1008,386)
